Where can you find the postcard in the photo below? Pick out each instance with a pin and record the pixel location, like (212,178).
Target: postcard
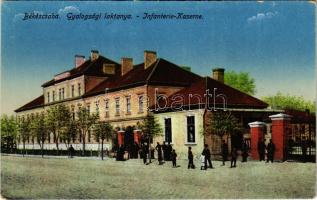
(158,100)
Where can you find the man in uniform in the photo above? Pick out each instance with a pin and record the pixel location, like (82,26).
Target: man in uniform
(207,154)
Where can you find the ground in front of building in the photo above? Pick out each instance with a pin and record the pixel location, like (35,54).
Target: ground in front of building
(30,177)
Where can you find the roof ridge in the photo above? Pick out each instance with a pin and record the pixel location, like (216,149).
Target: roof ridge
(109,59)
(234,89)
(152,72)
(25,106)
(181,68)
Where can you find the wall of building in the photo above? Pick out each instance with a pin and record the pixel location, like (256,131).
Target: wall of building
(67,89)
(179,132)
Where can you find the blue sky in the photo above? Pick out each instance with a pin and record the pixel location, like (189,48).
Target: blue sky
(273,41)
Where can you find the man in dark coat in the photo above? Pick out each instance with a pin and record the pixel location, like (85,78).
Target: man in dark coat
(261,149)
(164,148)
(190,159)
(234,155)
(121,153)
(245,150)
(168,151)
(159,152)
(173,157)
(224,151)
(71,151)
(144,152)
(207,154)
(270,151)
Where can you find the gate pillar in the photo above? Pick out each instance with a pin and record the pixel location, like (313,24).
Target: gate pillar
(280,125)
(257,134)
(137,135)
(120,137)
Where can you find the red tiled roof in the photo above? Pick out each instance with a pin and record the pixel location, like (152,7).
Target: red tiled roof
(37,102)
(160,72)
(234,97)
(93,68)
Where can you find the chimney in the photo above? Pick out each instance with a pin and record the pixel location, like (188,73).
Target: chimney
(218,74)
(126,65)
(79,60)
(149,58)
(94,55)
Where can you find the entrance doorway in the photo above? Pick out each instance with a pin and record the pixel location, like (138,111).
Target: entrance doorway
(301,142)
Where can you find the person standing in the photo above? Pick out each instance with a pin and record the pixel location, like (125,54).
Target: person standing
(261,149)
(234,155)
(173,157)
(169,151)
(270,151)
(244,151)
(136,150)
(144,152)
(164,150)
(71,151)
(224,152)
(207,154)
(121,154)
(202,162)
(159,152)
(190,159)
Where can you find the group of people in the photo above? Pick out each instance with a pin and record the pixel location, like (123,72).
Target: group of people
(164,153)
(167,153)
(270,148)
(234,153)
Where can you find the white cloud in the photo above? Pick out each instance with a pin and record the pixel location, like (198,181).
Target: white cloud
(262,16)
(68,9)
(18,17)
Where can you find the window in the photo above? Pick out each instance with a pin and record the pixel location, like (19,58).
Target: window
(107,108)
(63,93)
(73,90)
(140,104)
(59,94)
(53,96)
(48,97)
(168,129)
(128,99)
(79,89)
(117,106)
(97,107)
(190,128)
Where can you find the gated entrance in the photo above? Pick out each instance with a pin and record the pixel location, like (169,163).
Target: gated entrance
(302,138)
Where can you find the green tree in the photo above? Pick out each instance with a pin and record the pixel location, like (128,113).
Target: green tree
(151,128)
(9,133)
(286,101)
(103,131)
(57,118)
(240,81)
(223,123)
(69,132)
(85,121)
(39,131)
(24,131)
